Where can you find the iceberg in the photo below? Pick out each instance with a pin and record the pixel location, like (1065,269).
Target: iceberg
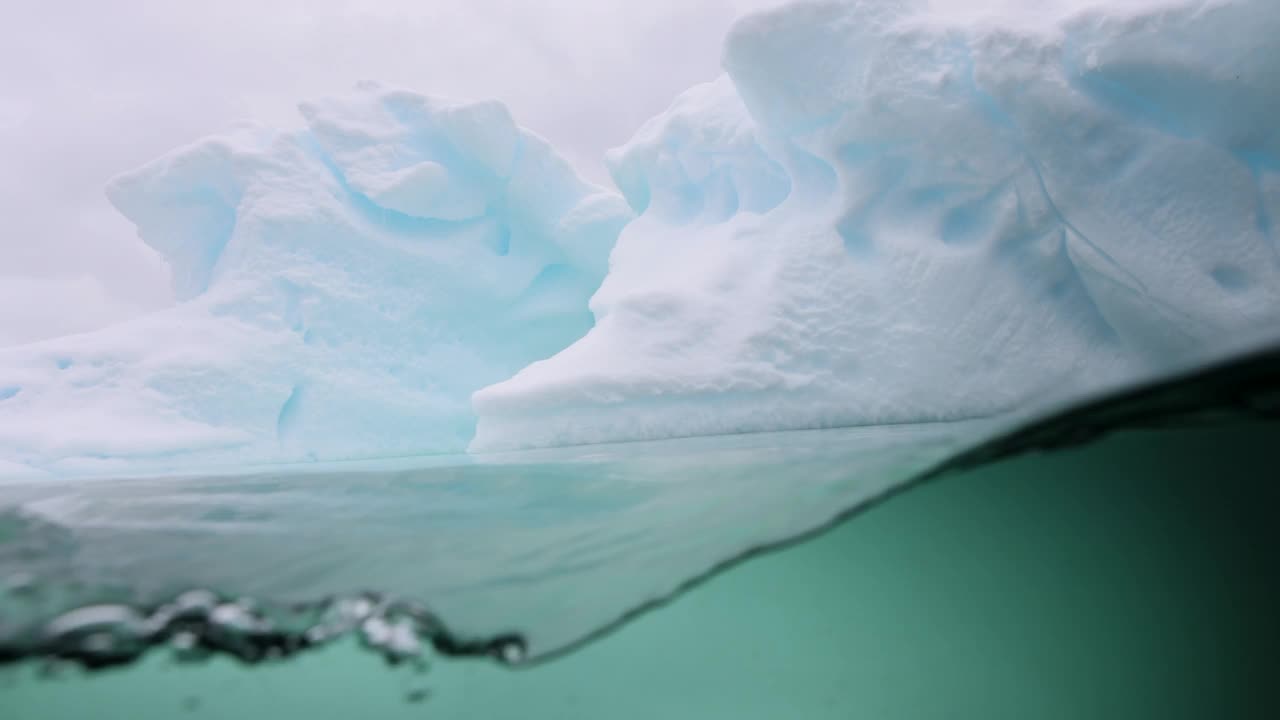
(883,246)
(877,215)
(343,289)
(877,218)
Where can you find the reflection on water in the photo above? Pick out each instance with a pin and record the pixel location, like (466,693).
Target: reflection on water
(1130,578)
(562,542)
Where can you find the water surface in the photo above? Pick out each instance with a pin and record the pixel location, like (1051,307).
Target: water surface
(1128,575)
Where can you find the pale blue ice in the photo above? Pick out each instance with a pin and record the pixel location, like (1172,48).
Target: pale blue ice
(877,215)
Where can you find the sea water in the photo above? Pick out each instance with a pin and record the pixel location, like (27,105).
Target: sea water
(1133,576)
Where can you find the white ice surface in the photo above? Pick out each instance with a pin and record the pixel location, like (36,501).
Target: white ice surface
(344,288)
(879,214)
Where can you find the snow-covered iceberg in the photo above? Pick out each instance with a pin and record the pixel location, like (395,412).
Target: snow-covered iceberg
(877,218)
(874,217)
(343,290)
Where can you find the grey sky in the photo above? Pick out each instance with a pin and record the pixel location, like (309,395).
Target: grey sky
(94,88)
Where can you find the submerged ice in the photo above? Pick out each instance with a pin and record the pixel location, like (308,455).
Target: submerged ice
(872,217)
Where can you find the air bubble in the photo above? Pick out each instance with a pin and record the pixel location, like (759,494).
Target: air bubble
(198,624)
(511,652)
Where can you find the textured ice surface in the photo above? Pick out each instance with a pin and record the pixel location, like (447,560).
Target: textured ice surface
(344,289)
(876,217)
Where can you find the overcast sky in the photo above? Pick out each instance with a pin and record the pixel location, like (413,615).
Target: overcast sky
(92,88)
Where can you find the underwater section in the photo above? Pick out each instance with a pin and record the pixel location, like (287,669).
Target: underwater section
(550,544)
(519,557)
(1125,579)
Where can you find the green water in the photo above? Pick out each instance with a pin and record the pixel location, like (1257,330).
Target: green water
(1132,578)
